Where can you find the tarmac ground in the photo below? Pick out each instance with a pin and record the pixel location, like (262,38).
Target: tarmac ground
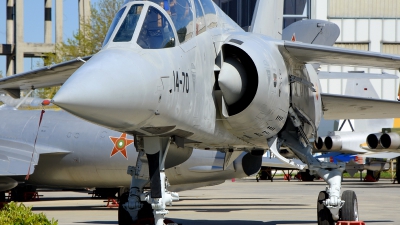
(244,201)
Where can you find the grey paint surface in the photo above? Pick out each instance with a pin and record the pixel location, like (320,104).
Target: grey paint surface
(74,153)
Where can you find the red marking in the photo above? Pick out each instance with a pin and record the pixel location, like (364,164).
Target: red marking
(46,102)
(34,144)
(365,89)
(293,37)
(112,202)
(118,148)
(369,178)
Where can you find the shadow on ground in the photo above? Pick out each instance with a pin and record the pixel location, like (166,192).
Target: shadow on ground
(238,222)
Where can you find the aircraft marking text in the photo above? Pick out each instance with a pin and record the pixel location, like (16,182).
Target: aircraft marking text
(184,82)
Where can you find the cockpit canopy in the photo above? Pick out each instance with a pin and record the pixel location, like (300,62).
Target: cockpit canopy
(155,24)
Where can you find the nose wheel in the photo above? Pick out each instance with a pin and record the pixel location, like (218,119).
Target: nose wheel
(324,214)
(123,216)
(348,212)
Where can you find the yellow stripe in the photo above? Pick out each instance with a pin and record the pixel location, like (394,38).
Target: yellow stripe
(396,122)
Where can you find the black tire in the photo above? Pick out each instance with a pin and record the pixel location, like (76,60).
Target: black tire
(377,175)
(306,176)
(349,211)
(323,213)
(123,216)
(146,211)
(264,175)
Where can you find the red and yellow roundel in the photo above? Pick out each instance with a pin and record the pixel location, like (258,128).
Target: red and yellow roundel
(120,144)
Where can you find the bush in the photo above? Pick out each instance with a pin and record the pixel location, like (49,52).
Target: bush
(14,214)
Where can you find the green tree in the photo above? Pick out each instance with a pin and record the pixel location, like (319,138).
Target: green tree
(14,213)
(84,42)
(1,74)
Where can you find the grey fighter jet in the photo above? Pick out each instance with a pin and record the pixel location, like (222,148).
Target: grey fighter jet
(181,73)
(66,151)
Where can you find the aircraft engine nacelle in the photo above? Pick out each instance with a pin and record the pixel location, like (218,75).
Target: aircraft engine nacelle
(320,143)
(194,171)
(248,165)
(346,142)
(329,143)
(333,142)
(177,155)
(7,183)
(390,140)
(373,141)
(254,87)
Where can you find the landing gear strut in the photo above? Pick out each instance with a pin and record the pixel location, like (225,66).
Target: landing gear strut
(330,202)
(150,167)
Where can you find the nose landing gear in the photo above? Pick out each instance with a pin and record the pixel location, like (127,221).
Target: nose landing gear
(137,206)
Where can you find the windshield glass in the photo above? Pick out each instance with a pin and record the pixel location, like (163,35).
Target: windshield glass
(113,24)
(209,11)
(200,22)
(127,28)
(156,31)
(181,13)
(182,17)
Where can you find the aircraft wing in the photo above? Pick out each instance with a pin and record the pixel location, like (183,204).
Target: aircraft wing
(48,76)
(349,107)
(17,159)
(309,53)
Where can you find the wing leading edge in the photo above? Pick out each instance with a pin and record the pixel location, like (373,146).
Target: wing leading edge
(349,107)
(48,76)
(309,53)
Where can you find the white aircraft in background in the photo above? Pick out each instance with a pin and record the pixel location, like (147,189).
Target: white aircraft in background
(184,75)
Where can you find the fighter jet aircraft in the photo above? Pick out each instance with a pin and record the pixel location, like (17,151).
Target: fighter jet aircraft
(72,153)
(181,74)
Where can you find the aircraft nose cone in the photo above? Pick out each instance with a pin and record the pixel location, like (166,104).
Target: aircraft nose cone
(111,89)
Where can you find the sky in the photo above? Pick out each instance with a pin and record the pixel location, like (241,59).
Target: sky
(34,25)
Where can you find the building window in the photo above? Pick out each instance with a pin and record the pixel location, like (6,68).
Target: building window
(355,46)
(391,48)
(242,11)
(295,10)
(247,12)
